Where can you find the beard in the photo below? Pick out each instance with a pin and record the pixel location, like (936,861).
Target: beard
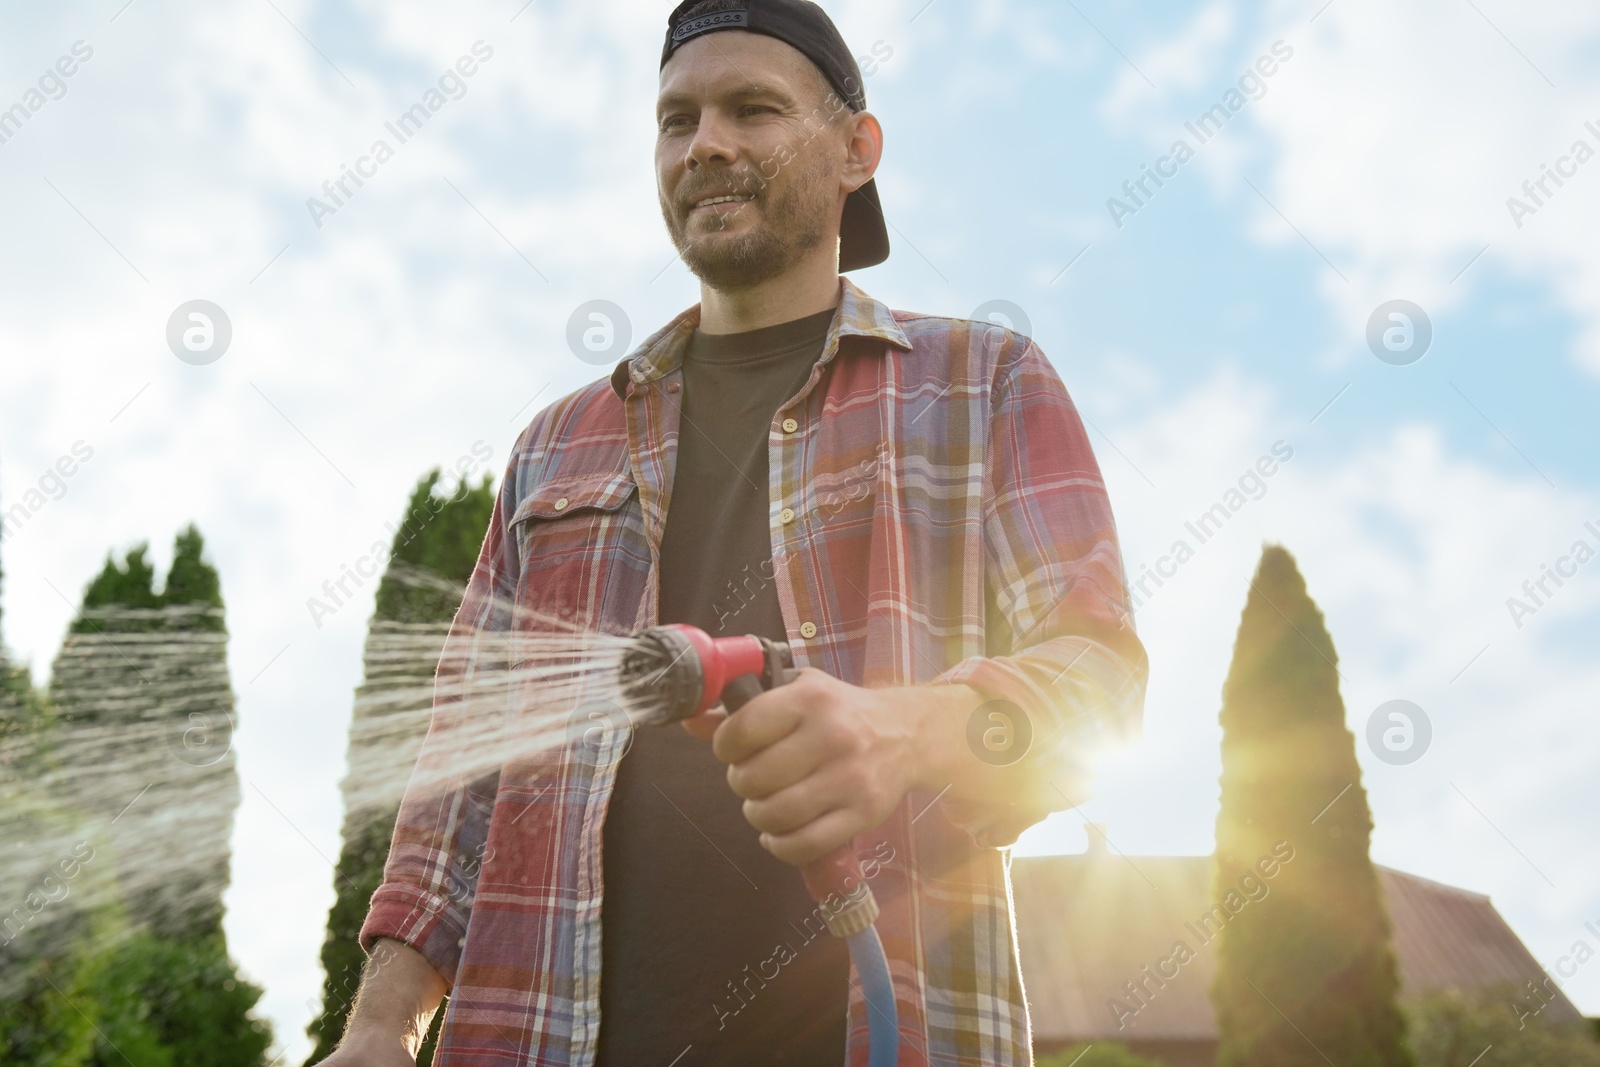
(791,225)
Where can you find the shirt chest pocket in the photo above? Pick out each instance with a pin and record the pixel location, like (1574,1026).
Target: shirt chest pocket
(580,542)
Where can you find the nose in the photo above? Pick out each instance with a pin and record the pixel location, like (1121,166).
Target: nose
(713,144)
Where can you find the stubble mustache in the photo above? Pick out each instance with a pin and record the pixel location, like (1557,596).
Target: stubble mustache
(745,184)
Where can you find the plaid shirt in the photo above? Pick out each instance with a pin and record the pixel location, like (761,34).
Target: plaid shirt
(949,524)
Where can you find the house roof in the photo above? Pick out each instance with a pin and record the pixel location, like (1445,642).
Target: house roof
(1088,923)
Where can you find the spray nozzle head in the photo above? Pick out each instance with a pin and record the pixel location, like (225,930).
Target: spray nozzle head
(675,672)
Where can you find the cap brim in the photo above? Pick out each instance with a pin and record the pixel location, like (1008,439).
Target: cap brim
(863,234)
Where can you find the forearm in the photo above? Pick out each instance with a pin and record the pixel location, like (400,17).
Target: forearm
(969,747)
(1014,738)
(400,991)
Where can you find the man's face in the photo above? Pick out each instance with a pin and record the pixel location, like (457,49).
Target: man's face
(745,116)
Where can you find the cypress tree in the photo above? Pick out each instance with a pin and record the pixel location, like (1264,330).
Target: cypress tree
(142,691)
(193,583)
(123,589)
(431,559)
(133,763)
(1305,974)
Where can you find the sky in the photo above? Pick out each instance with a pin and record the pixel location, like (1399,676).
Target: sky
(1359,153)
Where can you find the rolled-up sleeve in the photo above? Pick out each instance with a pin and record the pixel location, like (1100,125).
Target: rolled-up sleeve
(441,831)
(1064,650)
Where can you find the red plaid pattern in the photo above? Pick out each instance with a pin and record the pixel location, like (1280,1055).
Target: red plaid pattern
(950,525)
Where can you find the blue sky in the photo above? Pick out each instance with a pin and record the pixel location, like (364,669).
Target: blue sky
(1221,318)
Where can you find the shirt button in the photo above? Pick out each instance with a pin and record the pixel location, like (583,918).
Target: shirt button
(790,426)
(808,630)
(786,515)
(672,387)
(561,505)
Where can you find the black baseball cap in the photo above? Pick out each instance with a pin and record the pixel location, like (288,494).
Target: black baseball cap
(805,27)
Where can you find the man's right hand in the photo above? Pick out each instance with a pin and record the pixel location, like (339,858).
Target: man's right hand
(399,993)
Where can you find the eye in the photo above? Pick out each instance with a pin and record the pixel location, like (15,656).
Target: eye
(674,122)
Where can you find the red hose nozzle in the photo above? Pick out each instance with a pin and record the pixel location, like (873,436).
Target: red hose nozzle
(683,671)
(679,671)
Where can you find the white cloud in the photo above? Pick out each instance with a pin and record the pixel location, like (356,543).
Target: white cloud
(1189,61)
(1403,129)
(1394,138)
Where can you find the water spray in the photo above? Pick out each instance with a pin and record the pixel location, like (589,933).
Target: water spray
(139,777)
(485,711)
(676,672)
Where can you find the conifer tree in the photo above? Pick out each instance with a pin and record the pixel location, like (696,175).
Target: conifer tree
(193,583)
(129,962)
(126,587)
(1305,975)
(431,558)
(142,691)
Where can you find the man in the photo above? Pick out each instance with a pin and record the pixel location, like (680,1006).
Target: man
(910,501)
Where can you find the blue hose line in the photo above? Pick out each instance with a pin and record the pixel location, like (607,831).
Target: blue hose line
(883,1024)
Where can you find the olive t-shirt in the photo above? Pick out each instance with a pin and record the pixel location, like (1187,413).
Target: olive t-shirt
(706,950)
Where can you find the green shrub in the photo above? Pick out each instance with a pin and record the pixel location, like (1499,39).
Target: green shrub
(1486,1029)
(177,999)
(116,996)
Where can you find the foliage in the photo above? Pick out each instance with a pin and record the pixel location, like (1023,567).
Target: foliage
(110,692)
(1305,972)
(1097,1055)
(440,535)
(83,986)
(180,998)
(118,996)
(39,1024)
(130,584)
(438,538)
(1486,1029)
(191,581)
(25,723)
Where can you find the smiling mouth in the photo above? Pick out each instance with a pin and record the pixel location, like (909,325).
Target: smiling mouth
(723,202)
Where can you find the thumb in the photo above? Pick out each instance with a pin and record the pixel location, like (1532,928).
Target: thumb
(705,724)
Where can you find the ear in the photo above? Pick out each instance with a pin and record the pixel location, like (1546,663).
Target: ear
(864,150)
